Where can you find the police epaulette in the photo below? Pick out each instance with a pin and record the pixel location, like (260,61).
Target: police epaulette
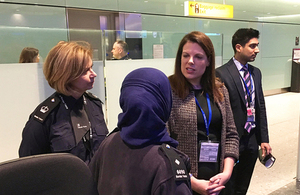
(178,166)
(92,96)
(45,108)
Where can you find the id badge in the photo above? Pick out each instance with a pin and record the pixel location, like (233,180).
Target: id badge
(251,114)
(208,151)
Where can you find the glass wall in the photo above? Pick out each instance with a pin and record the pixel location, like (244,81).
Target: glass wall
(159,51)
(276,42)
(282,11)
(156,44)
(14,39)
(26,86)
(152,30)
(278,22)
(29,26)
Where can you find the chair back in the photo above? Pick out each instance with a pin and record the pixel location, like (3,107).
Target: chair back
(46,174)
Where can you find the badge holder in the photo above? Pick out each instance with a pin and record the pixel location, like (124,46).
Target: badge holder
(208,151)
(250,114)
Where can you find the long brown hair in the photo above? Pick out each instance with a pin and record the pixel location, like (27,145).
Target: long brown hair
(210,85)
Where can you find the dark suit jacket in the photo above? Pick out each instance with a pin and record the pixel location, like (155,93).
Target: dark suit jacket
(230,75)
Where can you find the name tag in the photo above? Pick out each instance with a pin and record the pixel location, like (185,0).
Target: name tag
(251,114)
(208,151)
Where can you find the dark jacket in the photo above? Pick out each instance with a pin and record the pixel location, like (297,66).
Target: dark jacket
(230,75)
(122,169)
(54,132)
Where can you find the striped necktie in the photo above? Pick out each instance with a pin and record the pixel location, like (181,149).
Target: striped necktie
(247,80)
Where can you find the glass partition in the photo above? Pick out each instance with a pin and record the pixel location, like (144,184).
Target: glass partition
(14,39)
(154,44)
(286,11)
(27,87)
(94,37)
(24,86)
(158,50)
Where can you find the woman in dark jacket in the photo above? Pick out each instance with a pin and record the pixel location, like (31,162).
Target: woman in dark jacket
(71,120)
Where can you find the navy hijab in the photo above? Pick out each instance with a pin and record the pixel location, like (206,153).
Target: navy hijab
(146,102)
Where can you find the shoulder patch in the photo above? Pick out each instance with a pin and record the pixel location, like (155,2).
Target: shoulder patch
(45,108)
(178,166)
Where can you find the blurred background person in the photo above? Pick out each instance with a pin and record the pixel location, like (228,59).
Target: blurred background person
(29,55)
(201,118)
(135,157)
(120,50)
(71,120)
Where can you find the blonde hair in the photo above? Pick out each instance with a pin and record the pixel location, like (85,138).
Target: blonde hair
(65,63)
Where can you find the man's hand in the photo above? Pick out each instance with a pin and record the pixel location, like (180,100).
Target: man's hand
(266,149)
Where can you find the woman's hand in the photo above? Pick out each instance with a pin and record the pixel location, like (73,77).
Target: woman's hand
(206,187)
(221,178)
(216,183)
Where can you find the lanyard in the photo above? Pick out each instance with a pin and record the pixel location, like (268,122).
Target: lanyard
(246,87)
(207,123)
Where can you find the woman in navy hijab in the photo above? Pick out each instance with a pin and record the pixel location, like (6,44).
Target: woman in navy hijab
(134,158)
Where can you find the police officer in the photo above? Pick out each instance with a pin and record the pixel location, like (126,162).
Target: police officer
(71,120)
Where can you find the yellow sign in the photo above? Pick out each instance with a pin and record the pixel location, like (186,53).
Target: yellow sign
(192,8)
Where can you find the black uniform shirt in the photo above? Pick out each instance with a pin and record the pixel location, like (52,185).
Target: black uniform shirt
(55,133)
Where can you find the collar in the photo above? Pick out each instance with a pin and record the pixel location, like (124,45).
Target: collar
(239,65)
(71,101)
(126,57)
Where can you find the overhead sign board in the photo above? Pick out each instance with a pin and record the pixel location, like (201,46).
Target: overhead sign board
(200,9)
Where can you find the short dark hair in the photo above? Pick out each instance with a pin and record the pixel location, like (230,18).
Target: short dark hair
(243,36)
(124,45)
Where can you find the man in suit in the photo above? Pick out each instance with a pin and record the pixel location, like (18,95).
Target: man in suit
(248,107)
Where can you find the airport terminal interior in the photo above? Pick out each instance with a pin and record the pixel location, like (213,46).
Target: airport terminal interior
(283,118)
(153,29)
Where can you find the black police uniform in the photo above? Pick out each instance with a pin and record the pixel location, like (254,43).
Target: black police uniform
(50,128)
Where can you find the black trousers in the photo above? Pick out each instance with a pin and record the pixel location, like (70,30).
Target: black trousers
(243,170)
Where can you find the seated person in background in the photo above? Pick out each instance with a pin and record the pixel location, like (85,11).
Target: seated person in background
(134,158)
(71,120)
(29,55)
(120,50)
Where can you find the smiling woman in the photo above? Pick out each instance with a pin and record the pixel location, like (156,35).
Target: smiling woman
(71,120)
